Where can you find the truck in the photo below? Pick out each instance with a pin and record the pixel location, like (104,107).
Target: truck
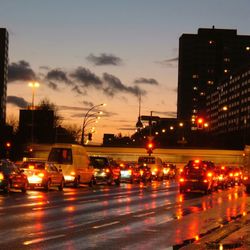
(246,170)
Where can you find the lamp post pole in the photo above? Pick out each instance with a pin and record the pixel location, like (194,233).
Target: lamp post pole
(87,119)
(33,85)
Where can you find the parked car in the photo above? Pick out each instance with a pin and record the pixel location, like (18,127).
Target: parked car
(43,174)
(106,170)
(155,164)
(74,162)
(196,176)
(130,172)
(12,177)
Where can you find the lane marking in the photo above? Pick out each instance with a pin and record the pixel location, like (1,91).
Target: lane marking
(43,208)
(86,201)
(38,240)
(126,213)
(143,215)
(106,225)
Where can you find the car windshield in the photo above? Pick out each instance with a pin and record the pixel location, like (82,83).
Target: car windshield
(33,165)
(99,162)
(148,160)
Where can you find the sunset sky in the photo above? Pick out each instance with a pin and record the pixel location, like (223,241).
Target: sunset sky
(84,53)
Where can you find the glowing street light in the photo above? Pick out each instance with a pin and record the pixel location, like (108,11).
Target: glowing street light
(91,117)
(33,85)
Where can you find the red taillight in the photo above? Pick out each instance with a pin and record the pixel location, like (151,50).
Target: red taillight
(209,174)
(1,176)
(182,180)
(41,175)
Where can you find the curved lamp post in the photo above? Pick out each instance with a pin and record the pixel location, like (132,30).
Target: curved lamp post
(33,85)
(90,117)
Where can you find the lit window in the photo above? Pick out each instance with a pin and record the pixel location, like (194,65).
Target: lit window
(210,82)
(195,76)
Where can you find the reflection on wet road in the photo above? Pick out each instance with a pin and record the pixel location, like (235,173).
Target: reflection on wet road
(132,216)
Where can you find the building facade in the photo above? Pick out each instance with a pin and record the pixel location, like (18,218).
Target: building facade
(4,43)
(228,108)
(205,59)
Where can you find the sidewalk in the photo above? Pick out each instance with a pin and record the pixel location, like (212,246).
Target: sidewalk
(234,235)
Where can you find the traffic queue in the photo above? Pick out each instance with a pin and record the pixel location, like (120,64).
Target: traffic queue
(70,165)
(205,176)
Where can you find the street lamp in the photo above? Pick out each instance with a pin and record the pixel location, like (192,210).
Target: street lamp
(33,85)
(91,117)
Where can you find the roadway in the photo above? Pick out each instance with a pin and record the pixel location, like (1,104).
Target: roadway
(132,216)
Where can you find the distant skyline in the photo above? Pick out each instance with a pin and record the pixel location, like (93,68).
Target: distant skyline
(84,53)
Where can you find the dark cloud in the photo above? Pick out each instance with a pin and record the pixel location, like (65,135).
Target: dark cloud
(21,71)
(17,101)
(53,85)
(143,80)
(172,62)
(115,85)
(89,104)
(104,59)
(77,90)
(59,76)
(44,67)
(72,108)
(86,77)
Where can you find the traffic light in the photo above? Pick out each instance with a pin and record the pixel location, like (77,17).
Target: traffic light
(8,145)
(150,147)
(90,136)
(200,123)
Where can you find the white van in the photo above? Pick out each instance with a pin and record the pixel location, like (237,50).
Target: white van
(154,163)
(73,160)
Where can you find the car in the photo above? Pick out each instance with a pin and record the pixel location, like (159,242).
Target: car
(129,172)
(74,162)
(12,177)
(223,177)
(145,174)
(155,164)
(43,174)
(196,176)
(107,170)
(169,171)
(235,175)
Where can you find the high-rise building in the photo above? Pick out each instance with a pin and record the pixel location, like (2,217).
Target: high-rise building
(4,42)
(205,59)
(228,108)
